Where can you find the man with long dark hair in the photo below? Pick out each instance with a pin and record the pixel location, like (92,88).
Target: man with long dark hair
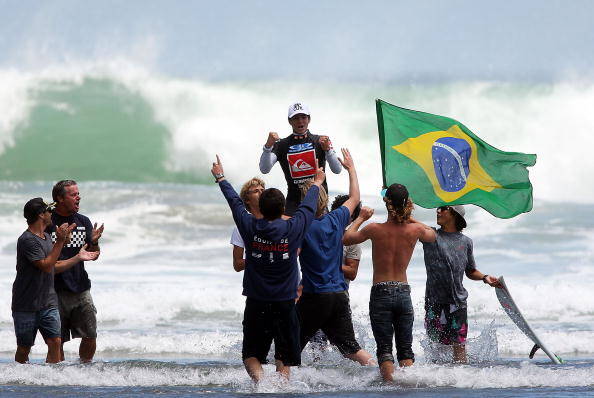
(447,259)
(390,305)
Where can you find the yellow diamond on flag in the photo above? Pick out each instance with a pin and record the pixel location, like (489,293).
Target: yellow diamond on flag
(449,159)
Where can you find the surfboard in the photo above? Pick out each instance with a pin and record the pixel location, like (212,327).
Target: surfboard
(512,310)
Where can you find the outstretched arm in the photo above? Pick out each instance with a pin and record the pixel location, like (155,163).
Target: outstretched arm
(354,194)
(352,234)
(427,234)
(477,275)
(82,255)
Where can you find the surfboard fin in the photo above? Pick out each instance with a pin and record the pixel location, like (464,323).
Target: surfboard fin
(533,351)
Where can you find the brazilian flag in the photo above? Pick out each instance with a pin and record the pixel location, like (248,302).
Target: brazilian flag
(441,162)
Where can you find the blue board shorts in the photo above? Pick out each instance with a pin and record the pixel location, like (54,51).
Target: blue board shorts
(27,323)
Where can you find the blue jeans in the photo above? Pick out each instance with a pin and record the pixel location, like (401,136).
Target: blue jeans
(392,316)
(26,324)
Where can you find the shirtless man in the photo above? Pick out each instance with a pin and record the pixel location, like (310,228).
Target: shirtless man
(390,305)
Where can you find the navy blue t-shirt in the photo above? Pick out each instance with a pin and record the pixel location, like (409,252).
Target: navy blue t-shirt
(321,253)
(271,272)
(74,279)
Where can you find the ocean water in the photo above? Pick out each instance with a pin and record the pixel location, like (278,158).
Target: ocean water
(169,303)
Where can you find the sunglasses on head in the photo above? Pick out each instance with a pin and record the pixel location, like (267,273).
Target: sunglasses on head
(443,208)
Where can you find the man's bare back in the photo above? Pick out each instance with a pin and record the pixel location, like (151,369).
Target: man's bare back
(392,244)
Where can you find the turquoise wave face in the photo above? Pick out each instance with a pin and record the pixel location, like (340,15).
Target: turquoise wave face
(96,130)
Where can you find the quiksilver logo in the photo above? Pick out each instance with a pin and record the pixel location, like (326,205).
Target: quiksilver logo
(301,165)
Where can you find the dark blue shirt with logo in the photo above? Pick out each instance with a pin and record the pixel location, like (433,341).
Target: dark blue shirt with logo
(271,271)
(74,279)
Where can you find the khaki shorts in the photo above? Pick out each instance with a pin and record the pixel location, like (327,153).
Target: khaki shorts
(78,315)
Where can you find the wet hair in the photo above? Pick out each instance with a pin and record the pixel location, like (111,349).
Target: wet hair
(339,201)
(272,204)
(322,197)
(399,214)
(243,194)
(59,190)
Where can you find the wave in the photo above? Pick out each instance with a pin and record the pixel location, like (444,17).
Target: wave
(120,122)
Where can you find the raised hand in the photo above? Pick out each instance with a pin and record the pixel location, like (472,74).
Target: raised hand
(63,232)
(366,213)
(84,255)
(96,234)
(320,176)
(272,138)
(347,160)
(217,169)
(325,143)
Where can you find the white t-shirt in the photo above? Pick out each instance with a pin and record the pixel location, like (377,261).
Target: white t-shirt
(236,238)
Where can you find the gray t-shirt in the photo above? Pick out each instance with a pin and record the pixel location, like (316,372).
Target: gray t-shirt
(446,260)
(33,289)
(351,251)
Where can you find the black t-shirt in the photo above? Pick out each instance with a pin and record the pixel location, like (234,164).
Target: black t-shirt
(33,289)
(297,157)
(74,279)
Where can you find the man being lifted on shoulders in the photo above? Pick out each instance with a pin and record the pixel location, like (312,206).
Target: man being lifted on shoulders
(390,305)
(298,154)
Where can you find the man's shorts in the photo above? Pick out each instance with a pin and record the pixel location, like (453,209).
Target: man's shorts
(265,321)
(330,312)
(78,315)
(26,324)
(446,327)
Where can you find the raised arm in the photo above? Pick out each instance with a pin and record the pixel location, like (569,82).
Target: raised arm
(268,158)
(352,234)
(62,237)
(354,194)
(240,214)
(426,233)
(331,157)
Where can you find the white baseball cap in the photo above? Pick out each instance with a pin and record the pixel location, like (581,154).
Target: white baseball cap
(297,108)
(461,212)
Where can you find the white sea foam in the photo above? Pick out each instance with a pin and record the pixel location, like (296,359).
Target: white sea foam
(346,377)
(203,118)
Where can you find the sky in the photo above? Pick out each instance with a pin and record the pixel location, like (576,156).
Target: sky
(320,41)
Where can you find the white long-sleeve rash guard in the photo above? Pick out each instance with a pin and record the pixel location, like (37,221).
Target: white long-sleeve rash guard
(268,159)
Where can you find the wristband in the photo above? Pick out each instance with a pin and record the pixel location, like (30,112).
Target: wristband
(218,177)
(484,278)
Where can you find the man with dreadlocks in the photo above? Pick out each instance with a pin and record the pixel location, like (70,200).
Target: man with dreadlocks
(390,305)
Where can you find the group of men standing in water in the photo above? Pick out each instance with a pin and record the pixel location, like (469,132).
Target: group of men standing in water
(274,231)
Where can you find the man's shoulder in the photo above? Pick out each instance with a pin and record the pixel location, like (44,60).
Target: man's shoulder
(25,236)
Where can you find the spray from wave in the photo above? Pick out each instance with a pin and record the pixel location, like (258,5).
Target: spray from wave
(119,122)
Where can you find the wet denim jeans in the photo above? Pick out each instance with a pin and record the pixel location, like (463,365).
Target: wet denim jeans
(392,315)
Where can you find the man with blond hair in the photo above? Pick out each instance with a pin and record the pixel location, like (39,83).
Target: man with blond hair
(250,195)
(390,305)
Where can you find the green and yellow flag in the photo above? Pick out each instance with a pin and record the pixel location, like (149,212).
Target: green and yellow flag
(441,163)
